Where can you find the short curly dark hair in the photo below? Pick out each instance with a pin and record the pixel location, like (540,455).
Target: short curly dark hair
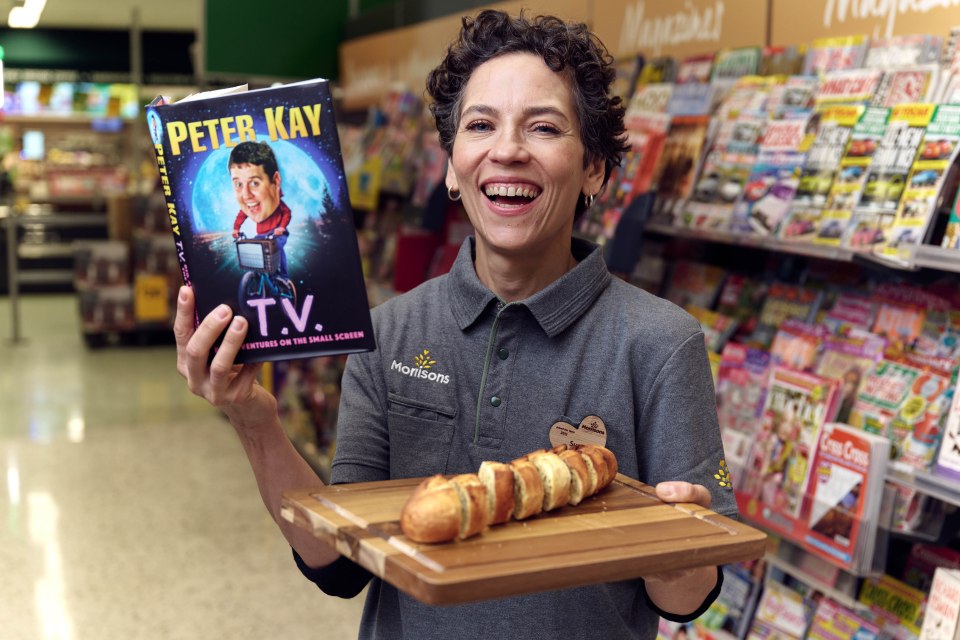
(565,48)
(258,153)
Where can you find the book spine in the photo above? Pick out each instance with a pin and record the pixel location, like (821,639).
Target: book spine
(172,213)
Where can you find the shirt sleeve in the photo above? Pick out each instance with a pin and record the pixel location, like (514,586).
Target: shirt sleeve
(679,436)
(238,222)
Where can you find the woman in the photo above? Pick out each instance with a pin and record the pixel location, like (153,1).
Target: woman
(526,330)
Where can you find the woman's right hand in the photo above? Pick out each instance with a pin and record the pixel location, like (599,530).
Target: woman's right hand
(231,387)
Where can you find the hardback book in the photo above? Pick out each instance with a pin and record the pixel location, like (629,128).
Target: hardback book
(886,178)
(843,494)
(774,178)
(926,182)
(820,166)
(797,405)
(261,217)
(742,380)
(848,185)
(941,618)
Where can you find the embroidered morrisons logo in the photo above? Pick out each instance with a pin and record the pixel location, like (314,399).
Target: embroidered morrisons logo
(421,368)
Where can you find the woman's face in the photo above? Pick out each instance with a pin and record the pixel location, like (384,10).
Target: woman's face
(517,157)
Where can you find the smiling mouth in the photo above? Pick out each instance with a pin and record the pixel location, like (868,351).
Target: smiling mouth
(511,195)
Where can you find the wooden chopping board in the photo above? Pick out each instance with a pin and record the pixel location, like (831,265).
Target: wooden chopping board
(624,532)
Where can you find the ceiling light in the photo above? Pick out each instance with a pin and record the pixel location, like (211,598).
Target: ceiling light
(27,15)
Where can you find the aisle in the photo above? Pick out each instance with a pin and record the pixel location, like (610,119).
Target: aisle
(128,508)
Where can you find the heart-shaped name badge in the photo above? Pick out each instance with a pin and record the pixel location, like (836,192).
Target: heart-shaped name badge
(591,430)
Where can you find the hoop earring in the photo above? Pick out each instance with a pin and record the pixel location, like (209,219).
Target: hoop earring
(588,200)
(453,194)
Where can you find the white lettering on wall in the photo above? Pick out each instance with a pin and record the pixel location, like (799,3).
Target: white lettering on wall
(689,24)
(889,9)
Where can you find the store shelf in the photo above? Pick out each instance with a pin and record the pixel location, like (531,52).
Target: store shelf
(45,251)
(45,276)
(790,569)
(64,219)
(910,258)
(942,489)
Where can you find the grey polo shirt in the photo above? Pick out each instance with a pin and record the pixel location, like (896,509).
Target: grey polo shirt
(458,378)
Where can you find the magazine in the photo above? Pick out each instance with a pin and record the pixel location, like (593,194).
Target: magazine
(726,167)
(784,301)
(678,164)
(926,182)
(894,52)
(948,457)
(843,495)
(717,328)
(730,64)
(797,344)
(833,621)
(893,603)
(820,167)
(279,261)
(906,404)
(856,86)
(697,69)
(694,283)
(780,614)
(650,98)
(774,178)
(741,390)
(796,406)
(907,84)
(795,95)
(848,360)
(833,54)
(886,177)
(850,179)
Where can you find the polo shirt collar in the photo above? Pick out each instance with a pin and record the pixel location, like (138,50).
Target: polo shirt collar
(555,308)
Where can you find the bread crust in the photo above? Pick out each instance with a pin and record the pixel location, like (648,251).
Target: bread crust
(498,478)
(612,466)
(555,477)
(579,480)
(475,510)
(527,489)
(432,513)
(598,463)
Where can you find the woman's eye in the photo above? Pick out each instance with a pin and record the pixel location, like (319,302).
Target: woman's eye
(479,126)
(546,128)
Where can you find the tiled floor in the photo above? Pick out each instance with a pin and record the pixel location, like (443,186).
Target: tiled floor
(128,509)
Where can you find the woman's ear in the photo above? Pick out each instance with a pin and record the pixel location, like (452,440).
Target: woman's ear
(451,179)
(593,177)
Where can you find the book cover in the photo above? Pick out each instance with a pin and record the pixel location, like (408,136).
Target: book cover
(926,182)
(887,175)
(820,166)
(941,618)
(261,217)
(773,179)
(797,404)
(841,502)
(850,180)
(742,380)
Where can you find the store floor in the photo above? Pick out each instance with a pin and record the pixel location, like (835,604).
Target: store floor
(129,511)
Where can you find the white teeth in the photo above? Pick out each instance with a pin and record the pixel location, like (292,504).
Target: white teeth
(500,190)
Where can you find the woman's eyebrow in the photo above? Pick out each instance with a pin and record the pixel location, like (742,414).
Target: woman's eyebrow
(529,112)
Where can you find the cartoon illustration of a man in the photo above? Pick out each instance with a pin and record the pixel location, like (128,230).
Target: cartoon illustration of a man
(256,184)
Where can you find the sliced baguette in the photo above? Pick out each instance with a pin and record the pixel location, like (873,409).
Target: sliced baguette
(497,477)
(596,467)
(474,507)
(579,480)
(555,477)
(432,513)
(527,489)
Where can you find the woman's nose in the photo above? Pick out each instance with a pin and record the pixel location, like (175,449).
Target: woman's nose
(509,147)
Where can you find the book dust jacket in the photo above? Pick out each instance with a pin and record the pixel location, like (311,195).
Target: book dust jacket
(258,206)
